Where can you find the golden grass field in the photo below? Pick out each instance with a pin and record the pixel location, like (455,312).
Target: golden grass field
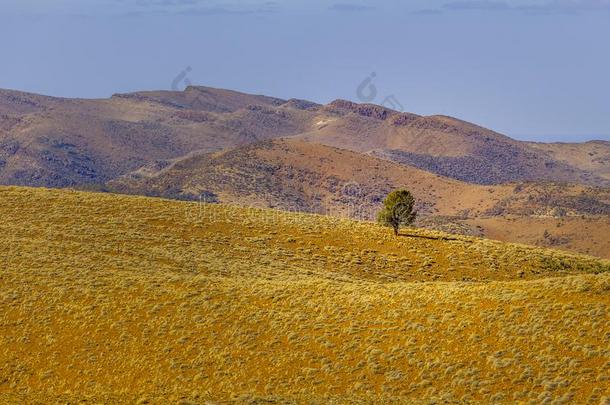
(116,299)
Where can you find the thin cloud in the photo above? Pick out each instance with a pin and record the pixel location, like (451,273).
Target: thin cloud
(427,11)
(582,4)
(349,7)
(194,8)
(477,5)
(549,7)
(570,6)
(203,11)
(165,3)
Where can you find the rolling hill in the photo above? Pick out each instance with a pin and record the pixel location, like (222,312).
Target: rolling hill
(294,175)
(448,146)
(300,176)
(116,299)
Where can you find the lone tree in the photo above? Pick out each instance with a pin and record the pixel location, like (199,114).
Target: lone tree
(398,209)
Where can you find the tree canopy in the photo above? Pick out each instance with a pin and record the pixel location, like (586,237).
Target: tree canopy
(398,210)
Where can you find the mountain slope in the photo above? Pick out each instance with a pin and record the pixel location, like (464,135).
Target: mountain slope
(203,99)
(442,145)
(296,175)
(114,299)
(300,176)
(593,156)
(46,141)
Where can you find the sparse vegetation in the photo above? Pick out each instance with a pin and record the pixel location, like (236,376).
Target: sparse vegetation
(290,174)
(115,299)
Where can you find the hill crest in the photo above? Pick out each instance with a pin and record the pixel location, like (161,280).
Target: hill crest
(66,142)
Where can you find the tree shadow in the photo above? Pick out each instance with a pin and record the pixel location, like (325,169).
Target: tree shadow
(410,235)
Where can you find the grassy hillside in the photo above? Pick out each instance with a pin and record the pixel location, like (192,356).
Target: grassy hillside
(130,299)
(587,235)
(296,175)
(299,176)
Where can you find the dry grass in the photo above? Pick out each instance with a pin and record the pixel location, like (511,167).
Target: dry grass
(588,235)
(123,299)
(294,175)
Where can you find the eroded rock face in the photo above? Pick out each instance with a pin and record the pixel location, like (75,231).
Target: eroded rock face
(301,104)
(366,110)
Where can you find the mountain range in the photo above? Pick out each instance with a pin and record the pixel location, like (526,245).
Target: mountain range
(336,159)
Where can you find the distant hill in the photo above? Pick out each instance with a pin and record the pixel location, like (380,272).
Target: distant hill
(46,141)
(448,146)
(294,175)
(593,156)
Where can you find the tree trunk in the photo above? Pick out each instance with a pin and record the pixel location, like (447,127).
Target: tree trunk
(395,231)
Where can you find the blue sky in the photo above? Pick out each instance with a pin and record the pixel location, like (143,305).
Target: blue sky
(535,69)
